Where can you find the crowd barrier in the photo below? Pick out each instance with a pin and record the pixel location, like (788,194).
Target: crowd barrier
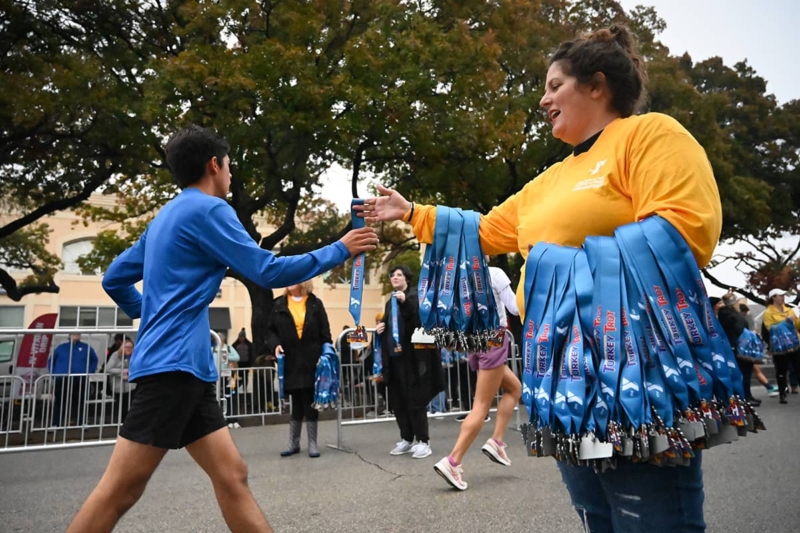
(57,411)
(363,401)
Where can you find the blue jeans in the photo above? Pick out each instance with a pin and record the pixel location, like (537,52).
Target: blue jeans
(438,403)
(637,497)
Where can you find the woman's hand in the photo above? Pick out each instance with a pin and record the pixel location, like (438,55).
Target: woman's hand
(278,350)
(400,295)
(380,327)
(390,205)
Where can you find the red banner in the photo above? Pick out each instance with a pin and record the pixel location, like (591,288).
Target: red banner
(35,348)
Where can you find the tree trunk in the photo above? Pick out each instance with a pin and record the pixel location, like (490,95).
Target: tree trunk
(261,301)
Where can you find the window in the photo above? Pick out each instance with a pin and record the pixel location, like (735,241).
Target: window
(93,317)
(12,316)
(6,350)
(74,250)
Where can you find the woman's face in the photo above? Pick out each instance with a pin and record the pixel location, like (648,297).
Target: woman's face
(295,290)
(569,106)
(128,348)
(398,280)
(778,299)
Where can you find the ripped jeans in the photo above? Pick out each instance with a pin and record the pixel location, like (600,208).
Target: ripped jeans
(638,498)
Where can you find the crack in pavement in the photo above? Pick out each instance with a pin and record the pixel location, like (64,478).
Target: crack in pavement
(379,467)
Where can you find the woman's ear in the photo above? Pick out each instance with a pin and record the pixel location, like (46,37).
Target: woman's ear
(598,85)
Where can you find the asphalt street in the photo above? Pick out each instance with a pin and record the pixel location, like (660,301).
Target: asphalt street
(752,485)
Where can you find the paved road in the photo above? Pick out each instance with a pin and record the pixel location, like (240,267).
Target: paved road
(752,485)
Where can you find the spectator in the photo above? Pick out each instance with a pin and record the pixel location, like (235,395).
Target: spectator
(71,363)
(772,390)
(412,376)
(776,312)
(733,324)
(117,366)
(298,329)
(228,377)
(244,348)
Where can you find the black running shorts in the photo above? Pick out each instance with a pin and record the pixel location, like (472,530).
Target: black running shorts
(172,410)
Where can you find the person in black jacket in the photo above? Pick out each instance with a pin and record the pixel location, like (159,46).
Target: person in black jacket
(412,376)
(298,329)
(733,324)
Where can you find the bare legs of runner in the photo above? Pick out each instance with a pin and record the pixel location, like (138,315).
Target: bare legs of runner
(132,464)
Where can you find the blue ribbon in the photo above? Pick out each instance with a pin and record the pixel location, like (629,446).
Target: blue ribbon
(535,301)
(357,274)
(749,345)
(722,353)
(449,276)
(326,383)
(281,375)
(398,348)
(478,274)
(377,355)
(676,360)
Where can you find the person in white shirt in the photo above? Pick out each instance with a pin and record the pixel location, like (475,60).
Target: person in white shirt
(493,374)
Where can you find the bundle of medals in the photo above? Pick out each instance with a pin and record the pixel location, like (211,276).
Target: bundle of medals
(326,381)
(456,303)
(623,355)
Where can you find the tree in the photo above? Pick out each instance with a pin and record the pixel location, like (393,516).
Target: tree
(63,130)
(438,98)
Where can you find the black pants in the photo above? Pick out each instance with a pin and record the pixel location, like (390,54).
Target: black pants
(747,375)
(782,363)
(301,404)
(70,396)
(464,382)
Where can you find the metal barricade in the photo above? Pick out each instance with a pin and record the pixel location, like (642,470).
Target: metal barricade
(81,409)
(363,401)
(43,411)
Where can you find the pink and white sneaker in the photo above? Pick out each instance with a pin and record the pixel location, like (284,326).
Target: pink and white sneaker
(496,452)
(450,473)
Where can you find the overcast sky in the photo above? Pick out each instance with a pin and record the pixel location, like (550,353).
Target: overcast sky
(765,33)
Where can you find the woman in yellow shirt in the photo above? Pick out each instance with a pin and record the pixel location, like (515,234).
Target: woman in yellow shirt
(624,168)
(298,328)
(777,312)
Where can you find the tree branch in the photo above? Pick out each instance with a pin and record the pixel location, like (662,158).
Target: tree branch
(751,296)
(59,205)
(15,292)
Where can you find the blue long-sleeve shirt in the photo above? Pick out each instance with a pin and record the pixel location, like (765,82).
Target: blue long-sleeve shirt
(182,257)
(73,358)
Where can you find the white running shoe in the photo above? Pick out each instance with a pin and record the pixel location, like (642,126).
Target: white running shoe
(422,450)
(450,473)
(402,447)
(496,453)
(236,425)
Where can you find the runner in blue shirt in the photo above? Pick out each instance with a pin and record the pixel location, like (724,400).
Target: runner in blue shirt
(182,258)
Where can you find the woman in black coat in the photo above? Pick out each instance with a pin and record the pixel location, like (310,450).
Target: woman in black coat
(298,328)
(412,376)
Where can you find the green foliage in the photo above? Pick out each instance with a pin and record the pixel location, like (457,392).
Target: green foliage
(439,99)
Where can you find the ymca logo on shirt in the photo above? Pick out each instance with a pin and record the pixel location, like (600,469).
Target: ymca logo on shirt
(592,183)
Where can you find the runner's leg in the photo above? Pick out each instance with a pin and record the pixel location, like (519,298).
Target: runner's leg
(121,486)
(512,390)
(485,390)
(218,456)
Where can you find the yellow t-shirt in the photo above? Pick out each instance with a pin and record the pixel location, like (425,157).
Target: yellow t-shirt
(639,166)
(774,316)
(298,310)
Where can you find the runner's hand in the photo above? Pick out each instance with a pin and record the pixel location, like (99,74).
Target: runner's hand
(380,327)
(390,205)
(400,295)
(278,350)
(360,240)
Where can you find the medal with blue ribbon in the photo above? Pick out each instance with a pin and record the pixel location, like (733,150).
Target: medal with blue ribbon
(357,338)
